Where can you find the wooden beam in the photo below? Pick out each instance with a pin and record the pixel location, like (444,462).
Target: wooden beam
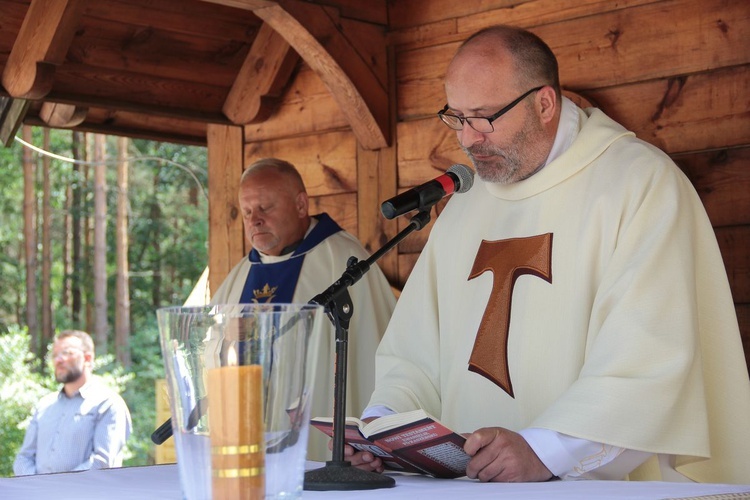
(316,36)
(12,113)
(132,132)
(307,107)
(42,43)
(377,180)
(264,74)
(244,4)
(58,115)
(226,244)
(134,125)
(84,85)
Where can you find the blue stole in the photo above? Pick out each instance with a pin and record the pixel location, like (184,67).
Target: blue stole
(275,282)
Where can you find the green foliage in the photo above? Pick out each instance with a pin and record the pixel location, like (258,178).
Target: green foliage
(11,235)
(12,251)
(140,392)
(168,250)
(169,229)
(20,387)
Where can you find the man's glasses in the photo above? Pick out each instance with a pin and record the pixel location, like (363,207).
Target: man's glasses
(482,124)
(66,353)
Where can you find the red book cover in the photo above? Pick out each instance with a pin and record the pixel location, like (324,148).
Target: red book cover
(408,442)
(354,438)
(427,444)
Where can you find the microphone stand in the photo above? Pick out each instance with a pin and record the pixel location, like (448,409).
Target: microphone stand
(338,474)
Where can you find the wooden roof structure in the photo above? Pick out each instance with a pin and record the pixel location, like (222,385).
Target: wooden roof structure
(165,69)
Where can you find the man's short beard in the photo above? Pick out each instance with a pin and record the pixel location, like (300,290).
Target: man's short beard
(512,164)
(501,169)
(71,375)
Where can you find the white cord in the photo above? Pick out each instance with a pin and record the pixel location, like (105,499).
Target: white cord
(112,162)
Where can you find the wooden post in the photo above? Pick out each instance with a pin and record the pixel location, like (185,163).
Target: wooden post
(225,234)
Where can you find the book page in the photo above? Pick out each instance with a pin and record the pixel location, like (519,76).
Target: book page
(328,422)
(395,420)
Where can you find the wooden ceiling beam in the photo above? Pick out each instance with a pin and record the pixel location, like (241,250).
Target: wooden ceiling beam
(177,133)
(119,104)
(313,32)
(262,78)
(59,115)
(361,98)
(43,41)
(83,85)
(245,4)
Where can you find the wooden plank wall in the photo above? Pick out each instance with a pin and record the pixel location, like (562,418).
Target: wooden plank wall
(677,72)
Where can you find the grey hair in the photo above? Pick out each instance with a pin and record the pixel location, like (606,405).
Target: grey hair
(274,165)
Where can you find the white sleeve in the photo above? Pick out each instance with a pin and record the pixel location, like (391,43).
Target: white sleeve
(569,457)
(376,411)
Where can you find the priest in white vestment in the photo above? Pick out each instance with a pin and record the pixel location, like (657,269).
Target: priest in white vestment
(295,257)
(571,311)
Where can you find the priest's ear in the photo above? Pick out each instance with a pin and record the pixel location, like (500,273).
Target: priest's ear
(302,203)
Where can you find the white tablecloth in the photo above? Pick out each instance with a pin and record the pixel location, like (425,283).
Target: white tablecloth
(162,482)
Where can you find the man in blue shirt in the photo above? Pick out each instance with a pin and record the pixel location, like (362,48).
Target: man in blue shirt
(83,426)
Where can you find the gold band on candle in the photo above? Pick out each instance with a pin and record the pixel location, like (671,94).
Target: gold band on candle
(235,473)
(236,450)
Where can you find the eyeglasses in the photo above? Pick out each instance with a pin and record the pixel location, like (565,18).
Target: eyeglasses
(65,353)
(482,124)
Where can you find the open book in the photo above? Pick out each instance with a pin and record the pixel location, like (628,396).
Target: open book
(413,441)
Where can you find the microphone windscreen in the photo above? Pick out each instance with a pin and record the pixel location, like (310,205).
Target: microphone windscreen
(465,177)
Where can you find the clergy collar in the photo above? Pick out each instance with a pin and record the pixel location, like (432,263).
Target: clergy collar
(290,248)
(567,130)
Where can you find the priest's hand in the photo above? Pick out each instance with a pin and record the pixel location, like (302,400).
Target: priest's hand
(363,460)
(500,455)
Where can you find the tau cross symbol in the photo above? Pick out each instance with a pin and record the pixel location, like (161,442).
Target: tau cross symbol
(507,259)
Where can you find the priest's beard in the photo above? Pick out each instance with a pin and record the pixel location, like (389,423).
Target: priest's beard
(523,157)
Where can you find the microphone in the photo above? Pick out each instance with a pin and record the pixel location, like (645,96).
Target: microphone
(457,179)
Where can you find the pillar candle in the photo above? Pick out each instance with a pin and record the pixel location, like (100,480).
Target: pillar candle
(235,422)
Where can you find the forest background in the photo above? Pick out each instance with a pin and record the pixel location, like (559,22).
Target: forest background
(96,236)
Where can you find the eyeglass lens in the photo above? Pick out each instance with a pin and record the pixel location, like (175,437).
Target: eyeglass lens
(65,353)
(482,124)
